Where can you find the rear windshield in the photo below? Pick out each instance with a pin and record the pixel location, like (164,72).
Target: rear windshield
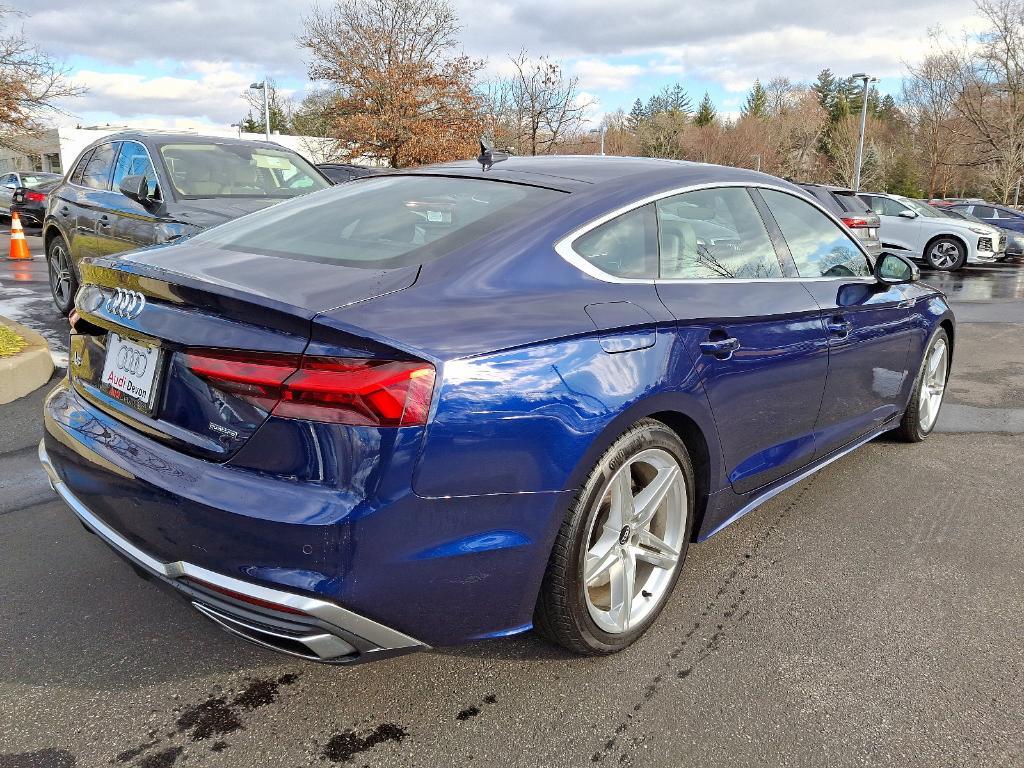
(382,222)
(33,180)
(201,171)
(850,202)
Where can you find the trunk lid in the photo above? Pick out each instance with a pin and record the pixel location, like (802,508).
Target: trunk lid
(148,308)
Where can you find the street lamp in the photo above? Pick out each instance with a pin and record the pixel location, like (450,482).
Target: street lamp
(239,127)
(863,126)
(601,131)
(266,104)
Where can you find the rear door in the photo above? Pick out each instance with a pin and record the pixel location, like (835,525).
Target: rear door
(869,325)
(757,339)
(94,225)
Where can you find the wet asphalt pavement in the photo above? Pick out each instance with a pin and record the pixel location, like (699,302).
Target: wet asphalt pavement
(872,615)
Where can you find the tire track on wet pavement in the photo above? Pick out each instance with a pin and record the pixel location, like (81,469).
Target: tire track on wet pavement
(722,613)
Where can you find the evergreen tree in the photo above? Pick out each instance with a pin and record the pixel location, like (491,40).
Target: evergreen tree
(756,104)
(677,101)
(887,108)
(705,112)
(636,116)
(825,87)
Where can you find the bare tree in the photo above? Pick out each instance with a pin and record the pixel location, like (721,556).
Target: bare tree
(31,84)
(535,108)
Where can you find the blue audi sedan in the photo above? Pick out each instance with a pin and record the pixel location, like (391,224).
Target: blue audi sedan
(450,404)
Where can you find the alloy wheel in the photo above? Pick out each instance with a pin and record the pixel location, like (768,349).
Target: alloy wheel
(634,539)
(933,384)
(944,254)
(60,274)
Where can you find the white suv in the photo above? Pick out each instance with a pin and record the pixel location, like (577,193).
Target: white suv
(920,231)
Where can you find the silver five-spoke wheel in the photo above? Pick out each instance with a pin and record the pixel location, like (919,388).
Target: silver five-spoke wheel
(635,536)
(933,385)
(60,274)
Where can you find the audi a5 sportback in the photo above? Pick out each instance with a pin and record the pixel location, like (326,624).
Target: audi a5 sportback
(442,405)
(921,231)
(138,188)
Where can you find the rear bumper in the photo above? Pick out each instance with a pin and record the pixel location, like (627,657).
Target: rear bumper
(305,626)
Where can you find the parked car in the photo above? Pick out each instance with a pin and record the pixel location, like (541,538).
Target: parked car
(9,183)
(942,202)
(919,231)
(141,188)
(30,202)
(339,173)
(1005,218)
(444,405)
(1014,240)
(854,213)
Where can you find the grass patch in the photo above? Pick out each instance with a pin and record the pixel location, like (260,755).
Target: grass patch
(10,342)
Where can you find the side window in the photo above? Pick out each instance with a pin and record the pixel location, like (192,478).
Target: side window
(626,246)
(714,233)
(9,179)
(97,170)
(134,161)
(819,246)
(76,175)
(984,212)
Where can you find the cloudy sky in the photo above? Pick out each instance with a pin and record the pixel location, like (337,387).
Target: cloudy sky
(186,63)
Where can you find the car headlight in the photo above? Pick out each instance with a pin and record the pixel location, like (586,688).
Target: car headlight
(980,231)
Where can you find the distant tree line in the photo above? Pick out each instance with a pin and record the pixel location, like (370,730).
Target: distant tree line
(397,91)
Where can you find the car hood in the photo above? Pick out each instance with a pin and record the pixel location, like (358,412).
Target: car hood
(210,212)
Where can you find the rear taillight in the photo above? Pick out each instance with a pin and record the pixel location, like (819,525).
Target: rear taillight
(357,391)
(35,197)
(856,222)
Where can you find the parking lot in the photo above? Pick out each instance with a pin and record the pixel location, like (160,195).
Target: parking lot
(871,615)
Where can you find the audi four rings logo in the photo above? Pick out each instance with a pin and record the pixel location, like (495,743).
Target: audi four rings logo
(131,361)
(126,304)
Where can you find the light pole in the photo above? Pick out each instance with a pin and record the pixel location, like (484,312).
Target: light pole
(239,127)
(601,132)
(266,104)
(863,126)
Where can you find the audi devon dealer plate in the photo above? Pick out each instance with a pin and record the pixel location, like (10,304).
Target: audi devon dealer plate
(130,369)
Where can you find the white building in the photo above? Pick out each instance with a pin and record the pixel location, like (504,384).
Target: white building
(55,150)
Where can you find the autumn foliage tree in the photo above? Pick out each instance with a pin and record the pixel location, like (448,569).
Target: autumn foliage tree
(31,83)
(398,91)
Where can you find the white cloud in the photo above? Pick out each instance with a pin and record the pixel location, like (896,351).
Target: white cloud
(601,75)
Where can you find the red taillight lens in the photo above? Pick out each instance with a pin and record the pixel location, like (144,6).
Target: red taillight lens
(35,197)
(380,393)
(856,222)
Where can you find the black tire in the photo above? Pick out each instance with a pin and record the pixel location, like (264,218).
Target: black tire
(561,613)
(911,428)
(63,280)
(938,252)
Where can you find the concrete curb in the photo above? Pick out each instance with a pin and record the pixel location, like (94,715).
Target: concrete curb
(29,369)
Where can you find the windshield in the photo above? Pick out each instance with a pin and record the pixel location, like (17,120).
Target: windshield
(238,170)
(382,222)
(923,208)
(954,213)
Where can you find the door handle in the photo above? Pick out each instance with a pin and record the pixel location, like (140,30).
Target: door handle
(720,348)
(839,327)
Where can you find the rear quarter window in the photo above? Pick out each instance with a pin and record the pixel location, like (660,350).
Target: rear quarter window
(382,223)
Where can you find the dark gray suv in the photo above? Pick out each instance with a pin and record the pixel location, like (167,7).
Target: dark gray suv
(140,188)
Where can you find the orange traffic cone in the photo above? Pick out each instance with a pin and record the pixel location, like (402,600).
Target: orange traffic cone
(19,248)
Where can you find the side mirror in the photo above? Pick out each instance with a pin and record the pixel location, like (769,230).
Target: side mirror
(136,188)
(907,215)
(893,269)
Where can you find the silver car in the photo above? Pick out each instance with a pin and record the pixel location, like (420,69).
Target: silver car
(919,231)
(11,181)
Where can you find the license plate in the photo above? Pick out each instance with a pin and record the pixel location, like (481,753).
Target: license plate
(129,372)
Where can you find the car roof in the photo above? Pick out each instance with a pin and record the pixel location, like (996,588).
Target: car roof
(828,187)
(171,137)
(576,172)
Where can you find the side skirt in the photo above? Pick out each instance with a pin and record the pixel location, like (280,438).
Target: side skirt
(789,483)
